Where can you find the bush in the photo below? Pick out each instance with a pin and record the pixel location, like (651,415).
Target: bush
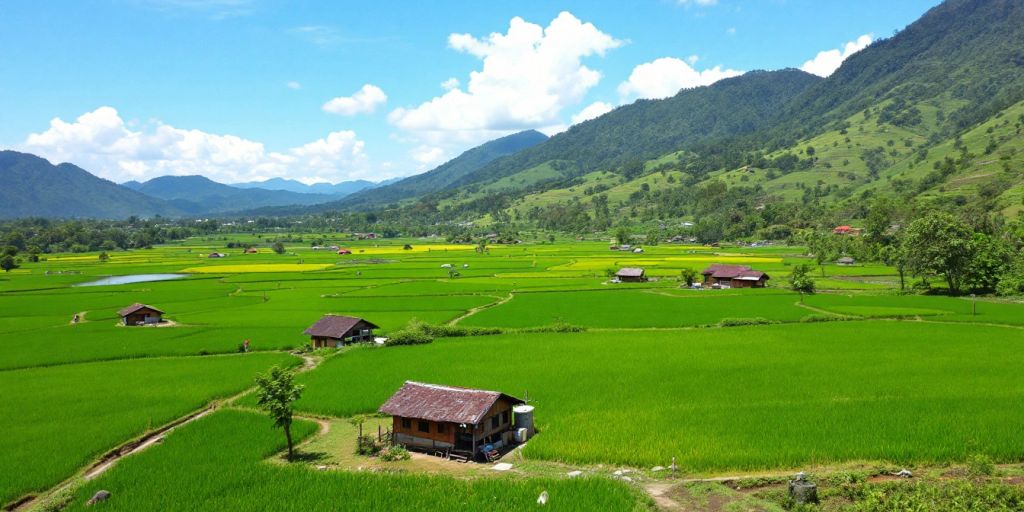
(736,322)
(559,327)
(408,337)
(395,453)
(367,445)
(980,465)
(810,319)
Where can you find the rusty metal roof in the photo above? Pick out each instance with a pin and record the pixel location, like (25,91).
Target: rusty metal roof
(630,272)
(135,307)
(449,404)
(335,326)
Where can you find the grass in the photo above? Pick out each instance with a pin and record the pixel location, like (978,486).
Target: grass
(726,399)
(57,419)
(225,455)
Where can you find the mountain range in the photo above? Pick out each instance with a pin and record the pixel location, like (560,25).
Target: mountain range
(933,114)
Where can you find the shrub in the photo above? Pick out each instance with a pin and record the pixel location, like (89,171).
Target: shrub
(558,327)
(367,445)
(395,453)
(408,337)
(980,465)
(736,322)
(810,319)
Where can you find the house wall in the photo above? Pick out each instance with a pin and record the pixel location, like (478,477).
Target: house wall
(499,407)
(448,436)
(140,316)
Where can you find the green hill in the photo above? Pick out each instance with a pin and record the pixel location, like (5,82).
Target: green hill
(199,195)
(33,187)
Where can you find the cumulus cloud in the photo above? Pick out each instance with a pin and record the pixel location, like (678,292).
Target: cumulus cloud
(697,2)
(595,109)
(293,85)
(427,156)
(104,144)
(828,61)
(664,77)
(450,84)
(364,101)
(529,75)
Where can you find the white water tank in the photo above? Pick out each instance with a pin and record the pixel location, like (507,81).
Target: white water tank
(524,418)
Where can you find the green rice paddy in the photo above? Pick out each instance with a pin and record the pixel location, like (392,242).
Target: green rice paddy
(908,379)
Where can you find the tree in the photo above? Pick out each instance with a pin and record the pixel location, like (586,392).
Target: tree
(278,247)
(895,255)
(104,256)
(823,247)
(1012,282)
(800,281)
(276,390)
(622,236)
(689,275)
(7,263)
(942,244)
(990,260)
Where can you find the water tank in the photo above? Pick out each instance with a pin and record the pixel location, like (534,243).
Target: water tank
(524,418)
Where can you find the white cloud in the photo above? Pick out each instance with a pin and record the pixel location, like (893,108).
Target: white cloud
(364,101)
(104,144)
(828,61)
(293,85)
(692,59)
(595,109)
(731,31)
(664,77)
(427,156)
(450,84)
(697,2)
(529,75)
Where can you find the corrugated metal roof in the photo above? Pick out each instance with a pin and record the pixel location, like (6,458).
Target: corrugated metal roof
(449,404)
(630,272)
(135,307)
(335,326)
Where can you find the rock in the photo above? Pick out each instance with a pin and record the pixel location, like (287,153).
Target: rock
(658,468)
(543,498)
(502,466)
(98,497)
(627,479)
(574,474)
(905,473)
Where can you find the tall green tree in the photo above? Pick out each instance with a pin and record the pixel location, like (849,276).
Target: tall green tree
(7,263)
(940,243)
(278,247)
(275,392)
(800,280)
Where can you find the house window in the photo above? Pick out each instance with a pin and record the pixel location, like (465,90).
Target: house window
(442,428)
(424,426)
(406,423)
(494,421)
(504,417)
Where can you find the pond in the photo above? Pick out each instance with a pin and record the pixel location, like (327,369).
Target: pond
(129,279)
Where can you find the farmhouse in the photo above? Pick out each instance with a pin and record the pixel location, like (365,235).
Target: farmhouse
(734,276)
(846,230)
(216,255)
(344,251)
(462,420)
(846,260)
(140,314)
(631,275)
(336,330)
(251,250)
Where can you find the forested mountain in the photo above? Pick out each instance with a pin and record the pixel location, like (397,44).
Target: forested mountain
(32,186)
(448,173)
(199,195)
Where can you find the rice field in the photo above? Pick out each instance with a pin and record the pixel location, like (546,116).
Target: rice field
(901,378)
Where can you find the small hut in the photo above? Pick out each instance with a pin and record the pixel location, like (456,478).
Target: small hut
(344,251)
(141,314)
(734,276)
(216,255)
(846,261)
(251,250)
(631,275)
(462,420)
(337,330)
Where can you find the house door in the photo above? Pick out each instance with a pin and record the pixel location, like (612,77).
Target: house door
(464,441)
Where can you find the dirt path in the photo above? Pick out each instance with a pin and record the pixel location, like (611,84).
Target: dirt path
(659,493)
(78,318)
(473,311)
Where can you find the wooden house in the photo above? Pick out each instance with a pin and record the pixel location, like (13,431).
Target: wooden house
(846,261)
(631,275)
(453,419)
(734,276)
(252,250)
(216,255)
(141,314)
(337,330)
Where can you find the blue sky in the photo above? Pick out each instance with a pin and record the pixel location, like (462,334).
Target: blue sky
(243,89)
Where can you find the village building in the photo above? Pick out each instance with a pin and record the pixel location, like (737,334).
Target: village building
(453,419)
(252,250)
(344,251)
(216,255)
(141,314)
(631,275)
(846,261)
(337,330)
(734,276)
(846,230)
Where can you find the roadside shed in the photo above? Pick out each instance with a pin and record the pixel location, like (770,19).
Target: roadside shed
(449,418)
(140,314)
(337,330)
